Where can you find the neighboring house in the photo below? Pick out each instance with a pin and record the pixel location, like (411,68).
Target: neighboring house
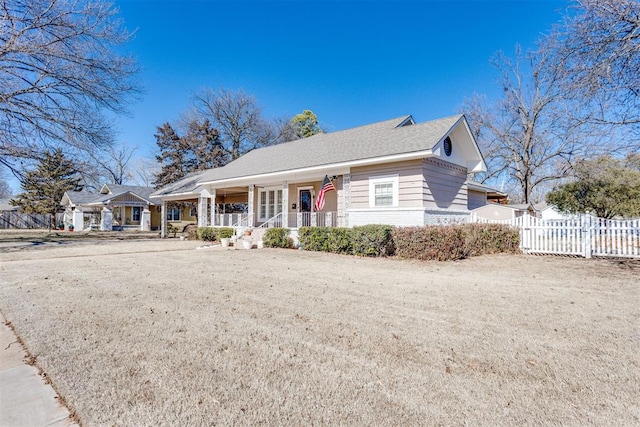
(5,206)
(550,212)
(394,172)
(500,212)
(481,194)
(115,207)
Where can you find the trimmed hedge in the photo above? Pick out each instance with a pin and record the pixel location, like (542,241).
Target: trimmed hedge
(212,234)
(441,243)
(314,238)
(339,240)
(277,237)
(453,242)
(483,239)
(373,240)
(367,240)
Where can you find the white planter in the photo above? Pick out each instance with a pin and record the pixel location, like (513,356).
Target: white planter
(260,244)
(225,242)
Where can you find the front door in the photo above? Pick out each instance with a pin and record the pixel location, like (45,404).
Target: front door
(306,204)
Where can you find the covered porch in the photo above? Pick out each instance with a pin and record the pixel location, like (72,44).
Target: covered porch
(285,204)
(288,204)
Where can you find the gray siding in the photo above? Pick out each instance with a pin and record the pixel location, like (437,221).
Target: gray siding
(444,185)
(409,183)
(476,199)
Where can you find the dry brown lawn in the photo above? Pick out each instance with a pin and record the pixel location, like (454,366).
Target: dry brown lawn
(159,333)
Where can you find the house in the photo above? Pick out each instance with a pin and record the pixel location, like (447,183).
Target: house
(502,212)
(114,207)
(396,172)
(499,212)
(550,213)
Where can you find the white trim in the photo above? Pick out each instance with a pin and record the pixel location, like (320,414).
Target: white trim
(394,180)
(311,189)
(362,162)
(266,191)
(397,209)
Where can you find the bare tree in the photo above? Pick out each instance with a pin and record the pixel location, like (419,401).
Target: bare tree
(59,69)
(145,171)
(5,190)
(238,118)
(598,51)
(109,165)
(528,136)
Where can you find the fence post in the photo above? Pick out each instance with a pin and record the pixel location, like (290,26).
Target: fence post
(587,235)
(524,232)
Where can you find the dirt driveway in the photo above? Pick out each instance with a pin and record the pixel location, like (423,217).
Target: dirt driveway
(161,333)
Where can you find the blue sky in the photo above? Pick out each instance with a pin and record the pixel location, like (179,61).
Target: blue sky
(352,63)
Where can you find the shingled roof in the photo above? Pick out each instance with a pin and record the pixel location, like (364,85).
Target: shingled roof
(365,142)
(110,191)
(399,136)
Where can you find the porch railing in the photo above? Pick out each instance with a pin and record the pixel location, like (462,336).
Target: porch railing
(312,219)
(233,220)
(276,221)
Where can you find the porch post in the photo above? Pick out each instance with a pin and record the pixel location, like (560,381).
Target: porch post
(285,204)
(106,222)
(212,200)
(78,219)
(145,219)
(250,210)
(163,220)
(202,211)
(344,195)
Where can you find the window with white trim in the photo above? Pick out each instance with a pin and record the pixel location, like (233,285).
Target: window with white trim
(135,215)
(269,204)
(173,214)
(383,191)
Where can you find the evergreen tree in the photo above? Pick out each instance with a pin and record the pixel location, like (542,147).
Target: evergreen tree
(171,156)
(305,124)
(204,149)
(199,149)
(45,186)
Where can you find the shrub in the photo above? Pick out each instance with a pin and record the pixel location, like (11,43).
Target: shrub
(225,232)
(192,232)
(277,237)
(484,239)
(453,242)
(313,238)
(441,243)
(172,229)
(339,240)
(372,240)
(208,234)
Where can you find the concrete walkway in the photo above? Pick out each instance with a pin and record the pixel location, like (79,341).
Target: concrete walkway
(25,399)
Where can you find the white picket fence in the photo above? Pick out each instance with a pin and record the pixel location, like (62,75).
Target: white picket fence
(584,235)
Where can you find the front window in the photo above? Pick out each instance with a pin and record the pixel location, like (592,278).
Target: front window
(383,194)
(173,214)
(269,204)
(383,191)
(135,215)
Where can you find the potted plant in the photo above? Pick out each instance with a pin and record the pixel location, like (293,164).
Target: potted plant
(71,227)
(225,236)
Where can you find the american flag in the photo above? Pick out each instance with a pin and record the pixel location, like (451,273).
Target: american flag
(326,186)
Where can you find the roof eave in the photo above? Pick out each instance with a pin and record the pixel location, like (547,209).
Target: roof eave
(340,165)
